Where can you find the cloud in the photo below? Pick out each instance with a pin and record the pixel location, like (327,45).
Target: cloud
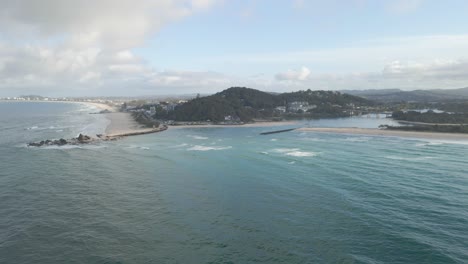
(409,75)
(292,75)
(54,45)
(444,70)
(116,24)
(404,6)
(70,71)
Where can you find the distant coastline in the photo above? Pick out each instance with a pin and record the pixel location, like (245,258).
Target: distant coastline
(123,124)
(254,124)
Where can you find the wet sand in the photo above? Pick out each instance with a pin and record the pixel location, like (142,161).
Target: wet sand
(382,132)
(102,106)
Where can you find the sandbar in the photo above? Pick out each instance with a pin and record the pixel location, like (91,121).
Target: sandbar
(386,133)
(256,124)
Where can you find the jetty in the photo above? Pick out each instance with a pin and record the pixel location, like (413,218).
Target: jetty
(278,131)
(135,133)
(85,139)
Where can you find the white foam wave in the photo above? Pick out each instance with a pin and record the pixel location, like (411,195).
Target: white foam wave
(197,137)
(273,139)
(285,150)
(68,147)
(301,154)
(442,142)
(313,139)
(295,152)
(206,148)
(137,147)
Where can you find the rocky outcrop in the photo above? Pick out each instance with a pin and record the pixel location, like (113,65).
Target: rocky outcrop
(85,139)
(81,139)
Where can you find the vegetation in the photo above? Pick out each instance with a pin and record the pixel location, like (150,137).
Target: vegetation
(431,117)
(145,120)
(432,128)
(245,105)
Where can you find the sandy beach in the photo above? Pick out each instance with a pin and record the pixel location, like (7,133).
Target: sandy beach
(123,123)
(257,124)
(391,133)
(102,106)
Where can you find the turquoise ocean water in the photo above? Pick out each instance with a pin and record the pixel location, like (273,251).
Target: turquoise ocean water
(226,195)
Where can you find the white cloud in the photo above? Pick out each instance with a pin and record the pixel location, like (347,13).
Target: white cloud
(407,75)
(74,47)
(116,24)
(54,45)
(292,75)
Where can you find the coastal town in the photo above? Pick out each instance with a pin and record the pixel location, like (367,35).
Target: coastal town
(240,106)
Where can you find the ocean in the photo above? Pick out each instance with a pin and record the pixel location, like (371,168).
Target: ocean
(226,195)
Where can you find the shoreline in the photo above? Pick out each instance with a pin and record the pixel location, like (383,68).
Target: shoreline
(101,106)
(257,124)
(121,124)
(386,133)
(124,125)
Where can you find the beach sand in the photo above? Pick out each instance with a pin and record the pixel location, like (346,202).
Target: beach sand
(123,123)
(381,132)
(258,124)
(102,106)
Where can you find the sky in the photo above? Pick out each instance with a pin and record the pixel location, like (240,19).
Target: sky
(161,47)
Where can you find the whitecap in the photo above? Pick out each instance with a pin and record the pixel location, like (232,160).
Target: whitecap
(313,139)
(301,154)
(442,142)
(206,148)
(285,150)
(273,139)
(66,147)
(197,137)
(295,152)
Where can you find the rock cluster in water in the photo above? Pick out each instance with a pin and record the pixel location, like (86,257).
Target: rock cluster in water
(81,139)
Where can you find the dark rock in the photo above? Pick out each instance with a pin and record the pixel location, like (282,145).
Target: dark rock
(83,138)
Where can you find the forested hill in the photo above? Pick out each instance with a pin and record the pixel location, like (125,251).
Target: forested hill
(245,104)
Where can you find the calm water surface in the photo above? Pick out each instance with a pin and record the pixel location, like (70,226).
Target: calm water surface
(226,195)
